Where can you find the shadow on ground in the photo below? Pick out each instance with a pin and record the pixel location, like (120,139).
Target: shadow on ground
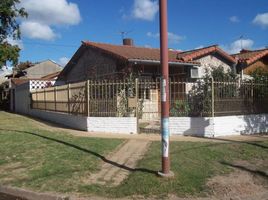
(103,158)
(247,169)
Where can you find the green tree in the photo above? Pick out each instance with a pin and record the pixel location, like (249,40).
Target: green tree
(9,28)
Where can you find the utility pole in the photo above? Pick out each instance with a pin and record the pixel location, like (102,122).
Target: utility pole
(164,90)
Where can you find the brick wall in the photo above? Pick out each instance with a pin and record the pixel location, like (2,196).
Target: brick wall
(113,124)
(197,126)
(89,65)
(209,62)
(219,126)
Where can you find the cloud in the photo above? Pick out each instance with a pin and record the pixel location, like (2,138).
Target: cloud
(172,37)
(261,20)
(145,9)
(235,47)
(63,61)
(47,14)
(35,30)
(234,19)
(13,42)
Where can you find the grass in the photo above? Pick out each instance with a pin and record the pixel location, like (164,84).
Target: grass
(42,160)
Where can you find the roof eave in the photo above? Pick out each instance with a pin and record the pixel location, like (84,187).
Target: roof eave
(139,61)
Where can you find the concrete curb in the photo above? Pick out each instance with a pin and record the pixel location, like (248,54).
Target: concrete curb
(30,195)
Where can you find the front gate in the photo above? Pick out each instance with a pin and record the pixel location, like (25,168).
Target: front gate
(149,106)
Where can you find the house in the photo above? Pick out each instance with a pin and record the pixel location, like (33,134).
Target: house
(52,76)
(209,58)
(249,61)
(106,61)
(103,61)
(45,73)
(37,70)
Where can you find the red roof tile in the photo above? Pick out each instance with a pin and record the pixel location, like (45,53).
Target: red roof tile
(250,57)
(19,81)
(198,53)
(133,52)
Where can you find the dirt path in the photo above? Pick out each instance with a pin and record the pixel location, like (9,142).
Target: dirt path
(118,165)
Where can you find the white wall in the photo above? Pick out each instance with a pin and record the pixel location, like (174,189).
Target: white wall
(197,126)
(92,124)
(113,124)
(219,126)
(242,124)
(72,121)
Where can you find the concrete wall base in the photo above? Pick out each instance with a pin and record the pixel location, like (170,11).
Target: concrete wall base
(219,126)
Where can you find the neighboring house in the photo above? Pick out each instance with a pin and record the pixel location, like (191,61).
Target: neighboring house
(42,69)
(44,72)
(38,70)
(209,58)
(100,61)
(52,76)
(249,61)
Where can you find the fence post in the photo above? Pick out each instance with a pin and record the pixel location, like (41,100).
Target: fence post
(55,97)
(69,95)
(87,97)
(252,96)
(137,103)
(212,98)
(45,99)
(36,99)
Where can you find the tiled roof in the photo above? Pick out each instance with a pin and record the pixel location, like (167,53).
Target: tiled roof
(249,57)
(19,81)
(51,76)
(133,52)
(198,53)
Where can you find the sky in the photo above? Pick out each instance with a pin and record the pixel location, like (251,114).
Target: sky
(55,28)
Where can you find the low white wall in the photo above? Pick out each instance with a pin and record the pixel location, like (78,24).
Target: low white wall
(197,126)
(219,126)
(92,124)
(72,121)
(113,124)
(241,124)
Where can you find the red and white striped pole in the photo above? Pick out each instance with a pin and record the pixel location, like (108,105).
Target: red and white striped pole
(164,90)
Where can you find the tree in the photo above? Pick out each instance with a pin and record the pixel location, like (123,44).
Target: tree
(9,28)
(23,65)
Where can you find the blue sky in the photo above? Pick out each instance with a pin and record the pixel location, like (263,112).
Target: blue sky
(55,28)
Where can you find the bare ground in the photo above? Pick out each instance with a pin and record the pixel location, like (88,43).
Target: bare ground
(246,182)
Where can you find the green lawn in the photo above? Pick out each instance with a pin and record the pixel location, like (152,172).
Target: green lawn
(32,157)
(47,161)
